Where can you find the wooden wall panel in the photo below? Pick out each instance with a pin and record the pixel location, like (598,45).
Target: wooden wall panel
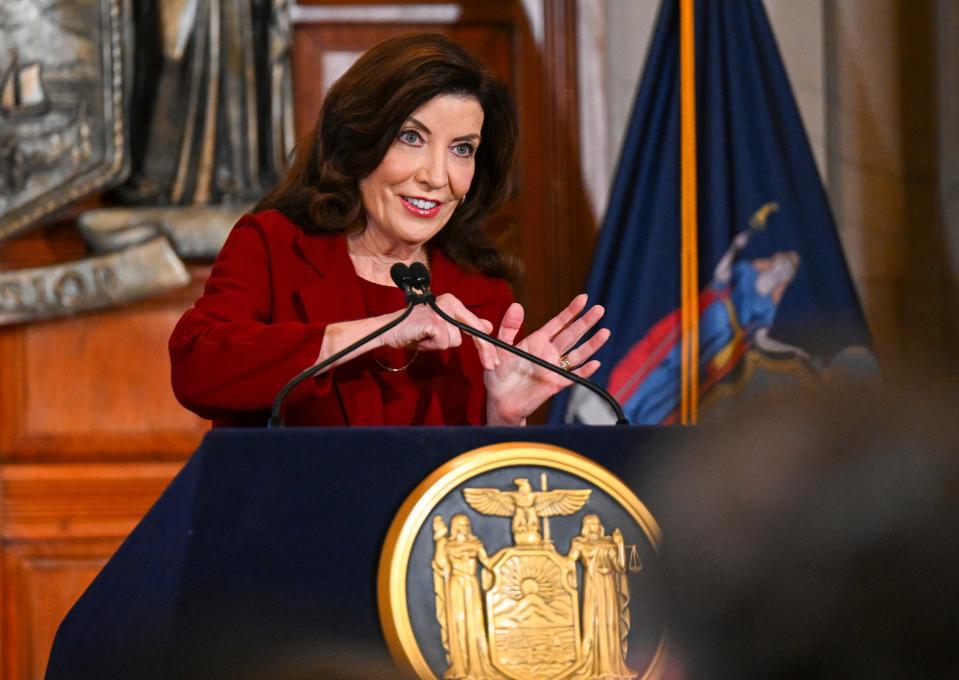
(131,348)
(96,386)
(85,405)
(50,576)
(61,523)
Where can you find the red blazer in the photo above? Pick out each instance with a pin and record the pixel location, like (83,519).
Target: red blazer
(271,293)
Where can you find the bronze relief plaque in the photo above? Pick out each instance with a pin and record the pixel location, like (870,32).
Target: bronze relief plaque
(62,100)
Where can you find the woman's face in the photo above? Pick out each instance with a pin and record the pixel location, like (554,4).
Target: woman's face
(414,190)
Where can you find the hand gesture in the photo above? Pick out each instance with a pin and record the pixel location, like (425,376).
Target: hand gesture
(516,387)
(424,329)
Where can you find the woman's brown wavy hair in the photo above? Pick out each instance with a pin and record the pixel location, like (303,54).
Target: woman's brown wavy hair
(361,118)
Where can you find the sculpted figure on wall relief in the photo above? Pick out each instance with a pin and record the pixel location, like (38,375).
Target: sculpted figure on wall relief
(185,104)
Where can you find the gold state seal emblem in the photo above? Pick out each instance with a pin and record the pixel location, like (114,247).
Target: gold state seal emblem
(536,608)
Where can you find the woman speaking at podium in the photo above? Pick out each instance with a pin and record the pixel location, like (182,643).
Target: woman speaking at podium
(411,153)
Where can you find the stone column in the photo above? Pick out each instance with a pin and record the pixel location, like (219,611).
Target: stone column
(883,112)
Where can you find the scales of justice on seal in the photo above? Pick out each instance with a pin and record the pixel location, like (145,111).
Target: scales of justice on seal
(522,561)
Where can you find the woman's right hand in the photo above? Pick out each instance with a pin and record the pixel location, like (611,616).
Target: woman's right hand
(423,329)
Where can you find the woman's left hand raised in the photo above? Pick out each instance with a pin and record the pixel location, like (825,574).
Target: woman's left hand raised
(516,387)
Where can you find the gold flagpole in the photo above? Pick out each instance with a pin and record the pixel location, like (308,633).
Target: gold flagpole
(689,396)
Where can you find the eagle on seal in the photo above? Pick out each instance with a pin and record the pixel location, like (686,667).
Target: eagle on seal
(526,507)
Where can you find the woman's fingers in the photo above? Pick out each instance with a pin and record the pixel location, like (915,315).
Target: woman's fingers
(519,388)
(453,336)
(486,351)
(588,348)
(424,329)
(456,309)
(570,335)
(587,369)
(552,327)
(511,323)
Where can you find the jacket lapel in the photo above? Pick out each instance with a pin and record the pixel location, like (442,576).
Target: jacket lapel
(332,297)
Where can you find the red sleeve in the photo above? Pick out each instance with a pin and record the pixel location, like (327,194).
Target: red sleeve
(225,354)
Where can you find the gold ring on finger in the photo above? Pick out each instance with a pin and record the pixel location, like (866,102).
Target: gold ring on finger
(564,363)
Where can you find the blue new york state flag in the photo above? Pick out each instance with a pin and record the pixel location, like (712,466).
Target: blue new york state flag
(776,304)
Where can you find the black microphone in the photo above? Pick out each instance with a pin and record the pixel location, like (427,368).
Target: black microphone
(421,281)
(421,276)
(402,277)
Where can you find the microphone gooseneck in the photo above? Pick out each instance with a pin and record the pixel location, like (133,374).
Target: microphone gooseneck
(414,280)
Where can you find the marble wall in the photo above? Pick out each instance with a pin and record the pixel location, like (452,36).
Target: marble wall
(886,103)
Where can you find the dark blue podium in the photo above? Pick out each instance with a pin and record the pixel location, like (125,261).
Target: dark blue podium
(266,546)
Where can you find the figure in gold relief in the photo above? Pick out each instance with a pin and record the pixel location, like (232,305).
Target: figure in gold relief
(459,600)
(605,612)
(524,619)
(440,566)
